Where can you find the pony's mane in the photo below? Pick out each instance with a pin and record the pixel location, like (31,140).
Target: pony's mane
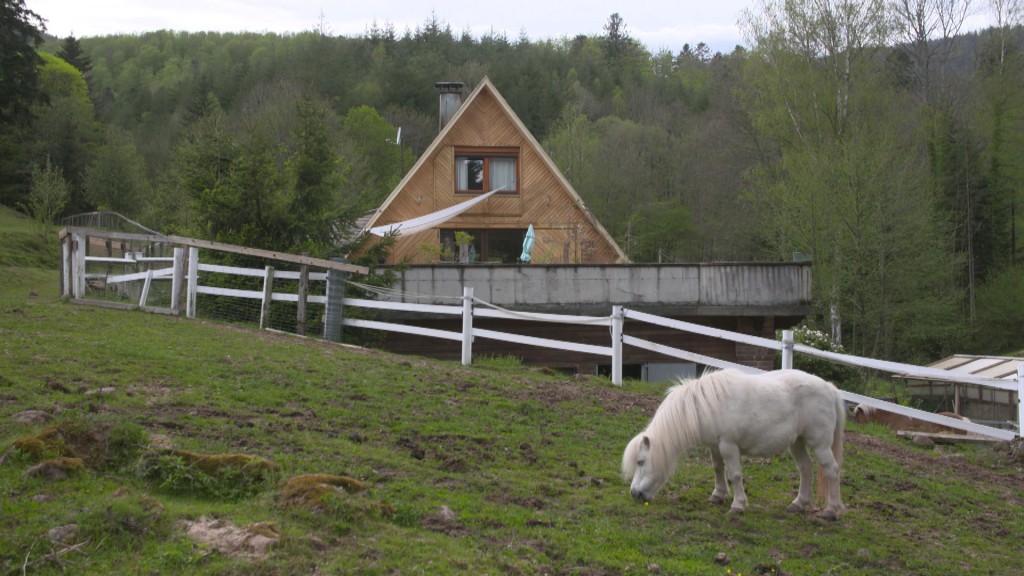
(676,425)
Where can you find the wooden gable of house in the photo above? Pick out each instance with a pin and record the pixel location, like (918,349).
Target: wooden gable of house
(565,232)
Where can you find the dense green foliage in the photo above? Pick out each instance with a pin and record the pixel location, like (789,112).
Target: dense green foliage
(488,469)
(886,148)
(20,35)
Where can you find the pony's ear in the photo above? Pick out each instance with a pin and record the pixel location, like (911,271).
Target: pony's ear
(646,443)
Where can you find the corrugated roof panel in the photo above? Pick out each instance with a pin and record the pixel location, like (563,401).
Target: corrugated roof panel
(997,367)
(1007,369)
(951,362)
(977,365)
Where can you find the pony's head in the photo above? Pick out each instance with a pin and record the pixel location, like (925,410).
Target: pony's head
(642,466)
(650,457)
(862,413)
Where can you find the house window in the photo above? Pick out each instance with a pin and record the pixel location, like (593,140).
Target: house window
(489,246)
(486,169)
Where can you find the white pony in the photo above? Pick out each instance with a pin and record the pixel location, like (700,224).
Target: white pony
(733,413)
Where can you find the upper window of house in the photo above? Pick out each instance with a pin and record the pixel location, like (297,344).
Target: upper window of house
(486,169)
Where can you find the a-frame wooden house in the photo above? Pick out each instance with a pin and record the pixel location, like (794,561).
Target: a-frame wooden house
(483,152)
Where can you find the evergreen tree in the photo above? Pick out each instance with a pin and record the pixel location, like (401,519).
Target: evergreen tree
(71,52)
(319,215)
(20,34)
(616,38)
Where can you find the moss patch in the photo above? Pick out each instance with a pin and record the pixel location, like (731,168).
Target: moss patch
(214,475)
(46,443)
(100,445)
(216,464)
(327,492)
(309,489)
(55,469)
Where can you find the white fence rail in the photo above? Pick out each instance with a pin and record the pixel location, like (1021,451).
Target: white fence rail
(75,263)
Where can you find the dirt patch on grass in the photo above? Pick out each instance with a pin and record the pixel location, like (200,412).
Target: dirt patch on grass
(253,541)
(929,463)
(585,390)
(445,521)
(454,452)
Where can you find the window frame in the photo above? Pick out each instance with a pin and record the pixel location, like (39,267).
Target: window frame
(485,243)
(486,153)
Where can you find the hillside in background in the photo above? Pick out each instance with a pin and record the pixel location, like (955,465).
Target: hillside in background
(893,160)
(424,466)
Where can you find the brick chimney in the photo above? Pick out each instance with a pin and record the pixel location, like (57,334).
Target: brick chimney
(451,100)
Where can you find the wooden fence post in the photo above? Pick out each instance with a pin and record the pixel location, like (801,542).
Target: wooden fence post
(65,266)
(110,254)
(618,320)
(268,297)
(78,266)
(467,325)
(176,279)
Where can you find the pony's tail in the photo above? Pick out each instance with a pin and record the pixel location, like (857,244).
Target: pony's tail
(838,436)
(840,431)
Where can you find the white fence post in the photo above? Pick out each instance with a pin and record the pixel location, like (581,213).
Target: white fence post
(268,295)
(787,349)
(467,325)
(193,281)
(617,321)
(176,278)
(1020,400)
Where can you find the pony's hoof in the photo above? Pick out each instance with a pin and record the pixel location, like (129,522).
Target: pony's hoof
(735,510)
(716,499)
(829,515)
(794,507)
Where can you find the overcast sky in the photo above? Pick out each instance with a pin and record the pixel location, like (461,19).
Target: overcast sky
(658,24)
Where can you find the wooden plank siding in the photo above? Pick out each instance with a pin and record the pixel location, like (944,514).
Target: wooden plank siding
(565,232)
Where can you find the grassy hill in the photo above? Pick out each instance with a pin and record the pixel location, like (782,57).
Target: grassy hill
(490,469)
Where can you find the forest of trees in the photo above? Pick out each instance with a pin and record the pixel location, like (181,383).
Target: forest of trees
(875,137)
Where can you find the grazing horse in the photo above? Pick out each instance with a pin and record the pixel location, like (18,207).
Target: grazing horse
(732,413)
(863,413)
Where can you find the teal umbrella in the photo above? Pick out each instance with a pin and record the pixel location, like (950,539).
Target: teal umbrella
(527,245)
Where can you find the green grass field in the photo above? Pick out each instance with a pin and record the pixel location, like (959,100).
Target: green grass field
(491,469)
